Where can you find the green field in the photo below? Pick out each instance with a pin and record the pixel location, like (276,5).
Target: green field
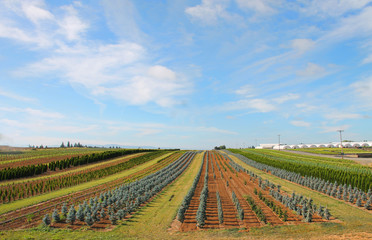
(334,151)
(155,219)
(44,197)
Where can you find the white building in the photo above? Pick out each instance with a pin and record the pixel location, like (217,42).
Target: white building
(315,145)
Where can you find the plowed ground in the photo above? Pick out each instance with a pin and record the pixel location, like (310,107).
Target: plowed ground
(243,185)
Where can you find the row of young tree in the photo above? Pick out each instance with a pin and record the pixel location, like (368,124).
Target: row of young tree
(123,200)
(32,170)
(360,178)
(303,206)
(186,201)
(200,213)
(12,192)
(238,207)
(338,190)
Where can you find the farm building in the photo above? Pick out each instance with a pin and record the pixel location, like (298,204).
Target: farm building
(315,145)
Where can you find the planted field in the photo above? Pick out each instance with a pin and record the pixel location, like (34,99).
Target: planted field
(32,214)
(180,194)
(332,170)
(225,195)
(334,151)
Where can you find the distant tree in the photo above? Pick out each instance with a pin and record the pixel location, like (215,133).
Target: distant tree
(68,144)
(62,145)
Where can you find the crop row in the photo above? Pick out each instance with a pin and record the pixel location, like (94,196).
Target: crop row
(298,203)
(341,191)
(123,200)
(361,179)
(11,192)
(200,214)
(32,170)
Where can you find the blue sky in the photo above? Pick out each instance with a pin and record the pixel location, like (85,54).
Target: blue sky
(188,74)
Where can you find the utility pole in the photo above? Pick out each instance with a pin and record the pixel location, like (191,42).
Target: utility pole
(279,141)
(342,149)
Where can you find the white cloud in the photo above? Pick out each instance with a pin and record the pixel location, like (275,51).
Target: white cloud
(351,26)
(35,12)
(260,105)
(71,26)
(158,84)
(259,6)
(337,116)
(312,70)
(33,112)
(363,90)
(16,97)
(327,129)
(302,45)
(121,18)
(45,29)
(215,130)
(304,107)
(332,8)
(121,71)
(148,131)
(368,59)
(300,123)
(246,91)
(209,11)
(118,71)
(287,97)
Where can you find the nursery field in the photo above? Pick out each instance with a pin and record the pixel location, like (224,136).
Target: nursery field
(334,151)
(172,194)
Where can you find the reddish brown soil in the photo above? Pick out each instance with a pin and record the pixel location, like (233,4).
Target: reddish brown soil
(243,185)
(189,222)
(18,219)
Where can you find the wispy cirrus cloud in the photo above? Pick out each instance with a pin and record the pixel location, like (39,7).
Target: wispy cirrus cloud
(33,112)
(123,71)
(300,123)
(16,96)
(209,11)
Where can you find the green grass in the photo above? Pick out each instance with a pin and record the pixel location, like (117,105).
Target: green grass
(44,197)
(29,154)
(150,222)
(333,151)
(78,169)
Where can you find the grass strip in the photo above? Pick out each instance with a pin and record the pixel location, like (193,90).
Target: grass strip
(70,171)
(150,222)
(4,208)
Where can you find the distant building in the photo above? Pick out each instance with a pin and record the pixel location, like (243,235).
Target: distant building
(315,145)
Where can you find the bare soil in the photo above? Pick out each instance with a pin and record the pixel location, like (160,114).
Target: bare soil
(243,185)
